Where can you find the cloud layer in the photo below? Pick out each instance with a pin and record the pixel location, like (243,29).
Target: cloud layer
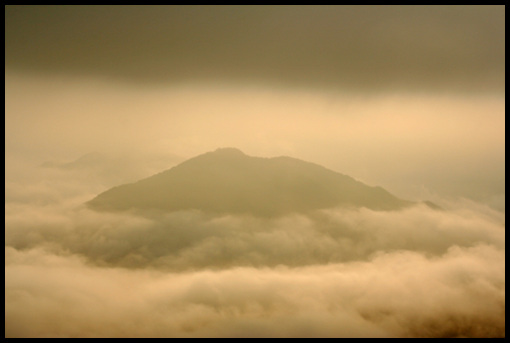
(72,272)
(192,240)
(400,294)
(359,47)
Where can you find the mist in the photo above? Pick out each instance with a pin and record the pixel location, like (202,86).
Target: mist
(426,143)
(406,98)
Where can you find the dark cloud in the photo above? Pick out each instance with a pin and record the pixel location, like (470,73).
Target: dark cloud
(369,47)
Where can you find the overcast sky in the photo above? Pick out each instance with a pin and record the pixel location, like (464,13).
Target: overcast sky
(369,47)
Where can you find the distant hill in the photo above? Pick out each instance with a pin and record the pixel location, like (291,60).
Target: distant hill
(90,160)
(228,181)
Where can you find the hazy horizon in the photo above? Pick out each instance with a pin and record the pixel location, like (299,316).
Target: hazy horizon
(408,98)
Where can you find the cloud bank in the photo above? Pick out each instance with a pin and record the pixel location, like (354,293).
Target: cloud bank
(358,47)
(192,240)
(400,294)
(72,272)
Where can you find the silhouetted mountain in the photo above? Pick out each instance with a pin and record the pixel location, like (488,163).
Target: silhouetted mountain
(228,181)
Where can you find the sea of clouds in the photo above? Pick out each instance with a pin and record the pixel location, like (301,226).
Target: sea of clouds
(74,272)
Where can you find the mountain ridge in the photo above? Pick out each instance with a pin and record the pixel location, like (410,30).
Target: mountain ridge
(228,181)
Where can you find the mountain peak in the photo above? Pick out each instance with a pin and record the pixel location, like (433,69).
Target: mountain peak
(228,151)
